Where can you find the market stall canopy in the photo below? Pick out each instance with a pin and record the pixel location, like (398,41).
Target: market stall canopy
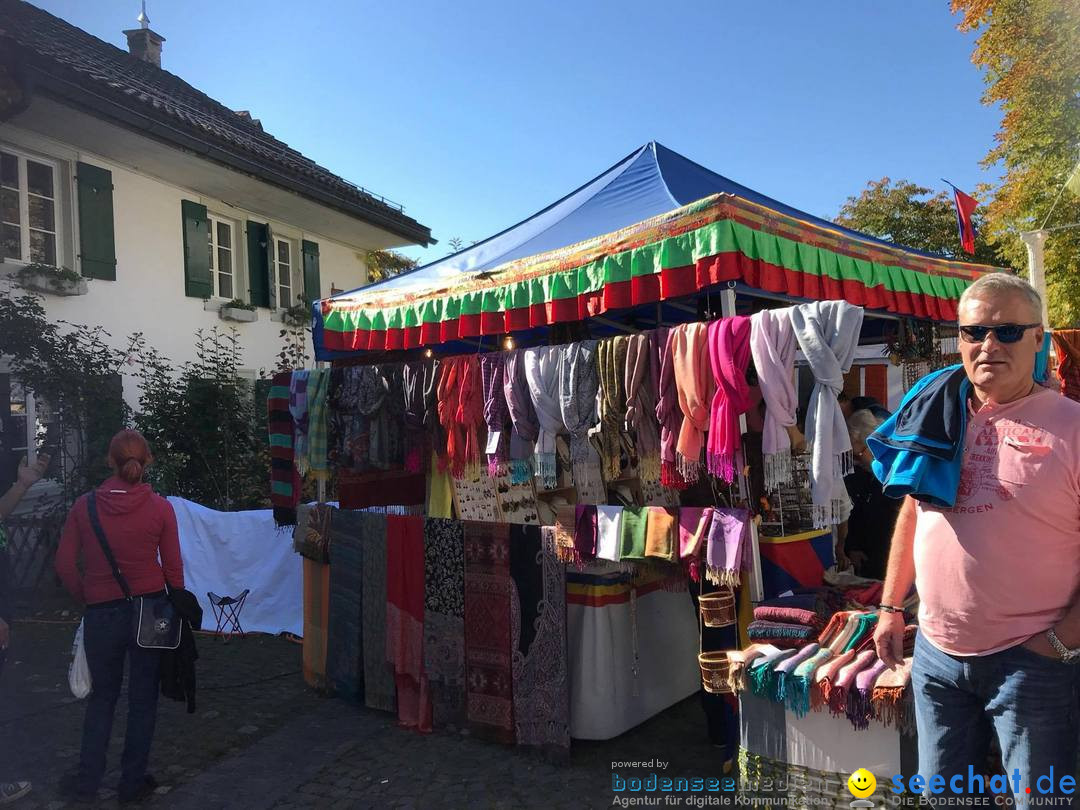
(655,226)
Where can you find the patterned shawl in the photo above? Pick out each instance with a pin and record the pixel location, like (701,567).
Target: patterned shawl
(641,380)
(729,355)
(542,374)
(348,429)
(772,344)
(496,414)
(298,408)
(380,689)
(611,363)
(405,619)
(695,384)
(668,413)
(444,618)
(522,417)
(828,334)
(284,480)
(318,389)
(578,385)
(418,382)
(372,388)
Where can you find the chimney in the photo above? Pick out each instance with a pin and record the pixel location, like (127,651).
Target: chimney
(142,42)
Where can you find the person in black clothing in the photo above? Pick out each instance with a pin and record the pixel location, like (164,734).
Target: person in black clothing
(873,514)
(848,406)
(28,475)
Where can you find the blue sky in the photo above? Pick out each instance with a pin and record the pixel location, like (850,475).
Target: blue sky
(478,113)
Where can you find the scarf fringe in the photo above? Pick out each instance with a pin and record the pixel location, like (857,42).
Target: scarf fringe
(797,695)
(859,708)
(521,471)
(723,466)
(778,471)
(891,708)
(838,700)
(722,576)
(827,516)
(545,469)
(669,476)
(758,678)
(496,467)
(648,467)
(689,470)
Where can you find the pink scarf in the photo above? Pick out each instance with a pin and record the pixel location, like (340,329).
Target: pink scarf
(694,383)
(694,522)
(729,355)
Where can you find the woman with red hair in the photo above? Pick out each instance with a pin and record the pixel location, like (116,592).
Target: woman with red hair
(140,527)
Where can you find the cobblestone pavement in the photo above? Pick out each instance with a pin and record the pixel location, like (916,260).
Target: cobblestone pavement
(261,739)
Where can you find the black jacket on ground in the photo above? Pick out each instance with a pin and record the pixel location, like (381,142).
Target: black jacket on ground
(178,666)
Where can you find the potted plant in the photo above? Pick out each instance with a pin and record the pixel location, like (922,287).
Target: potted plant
(239,311)
(296,316)
(44,278)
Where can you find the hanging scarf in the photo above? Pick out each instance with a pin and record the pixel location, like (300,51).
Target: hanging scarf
(298,409)
(284,481)
(694,523)
(370,448)
(724,551)
(608,532)
(1067,348)
(784,672)
(668,413)
(522,417)
(826,676)
(578,385)
(772,344)
(496,415)
(418,382)
(318,389)
(798,688)
(632,533)
(760,673)
(837,699)
(694,383)
(641,379)
(828,334)
(470,415)
(611,364)
(447,394)
(542,374)
(348,429)
(566,533)
(585,531)
(887,696)
(661,537)
(729,355)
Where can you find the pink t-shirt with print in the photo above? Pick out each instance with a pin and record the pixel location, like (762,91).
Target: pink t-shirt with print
(1004,563)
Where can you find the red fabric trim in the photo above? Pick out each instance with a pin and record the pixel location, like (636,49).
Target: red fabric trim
(672,282)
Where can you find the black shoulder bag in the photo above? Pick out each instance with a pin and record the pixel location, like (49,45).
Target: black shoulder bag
(155,623)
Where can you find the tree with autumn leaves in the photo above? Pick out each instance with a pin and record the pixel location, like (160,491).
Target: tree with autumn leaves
(1029,51)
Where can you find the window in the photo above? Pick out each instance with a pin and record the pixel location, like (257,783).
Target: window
(28,209)
(283,272)
(219,237)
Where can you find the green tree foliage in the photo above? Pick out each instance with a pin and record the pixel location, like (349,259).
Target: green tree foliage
(206,426)
(912,216)
(1029,51)
(383,264)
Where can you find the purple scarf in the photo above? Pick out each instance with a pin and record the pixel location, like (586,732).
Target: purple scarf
(668,412)
(496,414)
(724,553)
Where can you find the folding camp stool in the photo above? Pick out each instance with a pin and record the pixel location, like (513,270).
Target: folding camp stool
(227,613)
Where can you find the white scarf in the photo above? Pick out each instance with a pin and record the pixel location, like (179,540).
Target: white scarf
(772,344)
(608,532)
(828,334)
(542,373)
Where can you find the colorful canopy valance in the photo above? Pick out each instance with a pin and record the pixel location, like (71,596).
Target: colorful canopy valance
(720,238)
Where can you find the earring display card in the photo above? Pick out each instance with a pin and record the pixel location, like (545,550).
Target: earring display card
(475,497)
(589,483)
(517,502)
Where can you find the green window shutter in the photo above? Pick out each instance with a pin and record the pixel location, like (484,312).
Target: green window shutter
(97,238)
(311,271)
(197,281)
(258,250)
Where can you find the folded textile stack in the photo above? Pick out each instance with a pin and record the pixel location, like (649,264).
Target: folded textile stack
(803,608)
(781,634)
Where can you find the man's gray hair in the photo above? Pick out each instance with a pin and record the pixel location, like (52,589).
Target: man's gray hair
(1007,283)
(861,424)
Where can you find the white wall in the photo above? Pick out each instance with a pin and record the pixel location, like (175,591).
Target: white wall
(148,294)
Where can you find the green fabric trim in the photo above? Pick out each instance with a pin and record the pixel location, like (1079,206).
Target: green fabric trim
(682,250)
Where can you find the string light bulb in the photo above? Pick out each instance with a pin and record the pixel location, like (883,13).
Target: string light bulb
(508,342)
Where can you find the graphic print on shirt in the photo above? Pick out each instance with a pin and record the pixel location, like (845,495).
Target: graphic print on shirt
(997,464)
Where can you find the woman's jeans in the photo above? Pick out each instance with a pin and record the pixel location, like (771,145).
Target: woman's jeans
(109,639)
(1029,700)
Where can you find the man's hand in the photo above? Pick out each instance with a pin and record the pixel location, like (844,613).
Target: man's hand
(858,559)
(889,638)
(30,474)
(5,635)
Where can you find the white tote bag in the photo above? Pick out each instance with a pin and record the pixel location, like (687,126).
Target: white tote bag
(79,672)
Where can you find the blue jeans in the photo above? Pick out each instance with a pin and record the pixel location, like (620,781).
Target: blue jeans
(109,639)
(1029,700)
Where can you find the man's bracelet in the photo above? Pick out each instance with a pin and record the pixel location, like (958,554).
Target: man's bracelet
(890,609)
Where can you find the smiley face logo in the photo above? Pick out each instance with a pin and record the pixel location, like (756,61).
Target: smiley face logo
(861,783)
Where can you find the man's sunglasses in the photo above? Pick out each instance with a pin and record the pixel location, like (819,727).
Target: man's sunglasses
(1004,332)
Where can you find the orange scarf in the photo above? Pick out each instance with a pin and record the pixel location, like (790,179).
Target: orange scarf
(695,383)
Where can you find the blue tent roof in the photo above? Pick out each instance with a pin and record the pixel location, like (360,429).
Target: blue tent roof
(651,181)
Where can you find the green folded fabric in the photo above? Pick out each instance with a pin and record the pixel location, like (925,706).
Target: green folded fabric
(632,536)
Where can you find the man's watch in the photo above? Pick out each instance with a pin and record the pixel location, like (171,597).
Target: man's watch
(1069,656)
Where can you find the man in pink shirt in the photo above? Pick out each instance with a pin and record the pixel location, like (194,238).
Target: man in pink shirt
(997,573)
